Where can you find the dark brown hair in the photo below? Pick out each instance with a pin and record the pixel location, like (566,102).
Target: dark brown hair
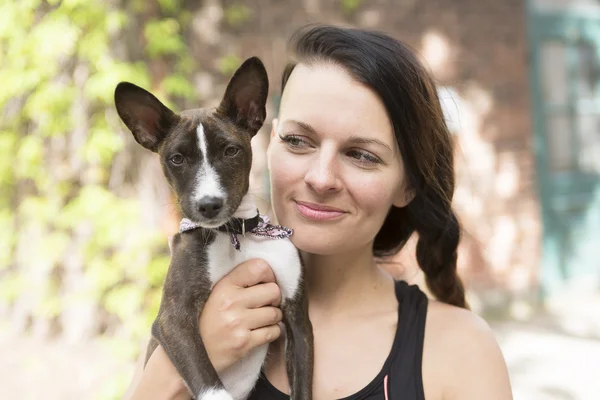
(391,69)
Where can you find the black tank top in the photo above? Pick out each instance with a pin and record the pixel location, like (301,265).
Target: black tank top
(400,377)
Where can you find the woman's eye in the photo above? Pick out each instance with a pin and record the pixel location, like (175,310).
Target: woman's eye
(231,151)
(294,141)
(364,157)
(177,159)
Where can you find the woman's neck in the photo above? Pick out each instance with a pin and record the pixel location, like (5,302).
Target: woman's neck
(344,283)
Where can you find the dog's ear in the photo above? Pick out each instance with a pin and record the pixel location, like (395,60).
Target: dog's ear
(146,117)
(245,98)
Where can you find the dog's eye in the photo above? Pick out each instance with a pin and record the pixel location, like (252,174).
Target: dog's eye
(177,159)
(231,151)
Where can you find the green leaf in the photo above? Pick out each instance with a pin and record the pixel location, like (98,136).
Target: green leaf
(7,237)
(50,108)
(8,147)
(156,270)
(14,15)
(93,46)
(19,81)
(29,157)
(39,209)
(115,21)
(103,273)
(124,302)
(229,64)
(101,85)
(102,145)
(50,307)
(54,38)
(53,246)
(11,285)
(179,85)
(169,6)
(349,6)
(237,14)
(163,37)
(186,64)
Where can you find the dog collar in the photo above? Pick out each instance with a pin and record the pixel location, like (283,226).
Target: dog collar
(258,225)
(240,226)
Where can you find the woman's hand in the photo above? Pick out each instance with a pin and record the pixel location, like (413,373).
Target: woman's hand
(241,313)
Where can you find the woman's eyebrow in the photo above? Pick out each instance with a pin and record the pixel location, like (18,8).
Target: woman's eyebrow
(362,140)
(302,125)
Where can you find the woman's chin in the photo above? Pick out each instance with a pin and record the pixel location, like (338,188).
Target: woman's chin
(321,243)
(315,248)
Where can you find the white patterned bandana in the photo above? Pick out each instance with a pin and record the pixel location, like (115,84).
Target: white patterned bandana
(258,226)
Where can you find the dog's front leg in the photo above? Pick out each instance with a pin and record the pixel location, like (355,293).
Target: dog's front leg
(298,346)
(178,334)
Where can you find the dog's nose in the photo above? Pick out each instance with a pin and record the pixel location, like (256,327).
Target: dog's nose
(209,207)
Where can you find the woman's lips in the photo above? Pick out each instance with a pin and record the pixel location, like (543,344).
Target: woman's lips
(318,212)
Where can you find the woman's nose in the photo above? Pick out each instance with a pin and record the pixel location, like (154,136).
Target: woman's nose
(322,175)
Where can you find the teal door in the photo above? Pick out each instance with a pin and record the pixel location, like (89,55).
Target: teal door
(565,76)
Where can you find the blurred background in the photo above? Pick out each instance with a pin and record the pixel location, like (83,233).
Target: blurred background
(85,212)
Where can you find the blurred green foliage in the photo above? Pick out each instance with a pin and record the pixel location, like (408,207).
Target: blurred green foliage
(59,137)
(228,64)
(350,6)
(237,14)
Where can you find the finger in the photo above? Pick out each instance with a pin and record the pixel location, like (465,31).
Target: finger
(250,273)
(262,317)
(264,335)
(263,294)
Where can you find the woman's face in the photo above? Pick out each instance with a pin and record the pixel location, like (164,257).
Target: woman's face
(334,161)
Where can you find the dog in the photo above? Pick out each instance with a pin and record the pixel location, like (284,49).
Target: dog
(206,157)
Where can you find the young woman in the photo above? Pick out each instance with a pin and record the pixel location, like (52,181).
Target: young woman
(360,159)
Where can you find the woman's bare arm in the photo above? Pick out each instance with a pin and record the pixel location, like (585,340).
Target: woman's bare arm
(482,372)
(158,381)
(463,356)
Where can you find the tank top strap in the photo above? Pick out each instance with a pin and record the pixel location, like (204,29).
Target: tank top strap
(405,379)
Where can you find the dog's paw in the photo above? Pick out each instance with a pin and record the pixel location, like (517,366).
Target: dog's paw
(214,394)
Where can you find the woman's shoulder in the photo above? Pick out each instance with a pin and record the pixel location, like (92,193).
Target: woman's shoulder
(455,322)
(462,353)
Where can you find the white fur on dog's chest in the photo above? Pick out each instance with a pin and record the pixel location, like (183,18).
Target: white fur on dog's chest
(283,259)
(280,254)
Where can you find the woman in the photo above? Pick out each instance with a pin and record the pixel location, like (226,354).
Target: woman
(360,159)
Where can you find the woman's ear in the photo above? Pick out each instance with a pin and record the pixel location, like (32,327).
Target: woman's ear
(403,196)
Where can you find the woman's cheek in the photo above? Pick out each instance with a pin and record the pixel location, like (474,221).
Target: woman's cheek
(280,171)
(373,193)
(285,173)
